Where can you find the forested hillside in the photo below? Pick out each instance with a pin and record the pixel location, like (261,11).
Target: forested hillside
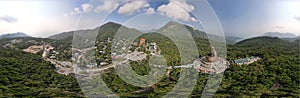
(23,74)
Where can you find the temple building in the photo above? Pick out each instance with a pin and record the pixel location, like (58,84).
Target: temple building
(142,42)
(211,64)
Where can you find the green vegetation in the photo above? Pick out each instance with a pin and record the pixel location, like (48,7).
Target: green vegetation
(61,46)
(280,62)
(14,35)
(23,74)
(28,75)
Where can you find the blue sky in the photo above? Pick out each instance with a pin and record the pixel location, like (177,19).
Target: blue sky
(247,18)
(242,18)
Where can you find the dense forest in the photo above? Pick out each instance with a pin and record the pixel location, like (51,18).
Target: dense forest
(23,74)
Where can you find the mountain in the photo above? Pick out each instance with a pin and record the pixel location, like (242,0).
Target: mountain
(265,41)
(173,26)
(284,36)
(69,35)
(106,30)
(291,39)
(196,33)
(109,29)
(279,35)
(25,42)
(148,31)
(232,39)
(85,38)
(14,35)
(297,42)
(61,36)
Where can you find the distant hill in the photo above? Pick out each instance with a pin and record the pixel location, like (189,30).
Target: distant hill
(291,39)
(297,42)
(103,32)
(284,36)
(173,26)
(232,39)
(279,35)
(14,35)
(25,42)
(68,35)
(61,36)
(196,33)
(109,29)
(106,30)
(265,41)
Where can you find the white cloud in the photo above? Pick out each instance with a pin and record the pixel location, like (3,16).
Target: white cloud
(86,8)
(297,17)
(278,27)
(108,5)
(182,3)
(133,6)
(150,11)
(177,9)
(76,11)
(8,19)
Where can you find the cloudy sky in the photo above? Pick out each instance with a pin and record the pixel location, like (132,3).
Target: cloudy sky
(42,18)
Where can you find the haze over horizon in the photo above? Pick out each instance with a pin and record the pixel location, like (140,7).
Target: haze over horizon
(238,18)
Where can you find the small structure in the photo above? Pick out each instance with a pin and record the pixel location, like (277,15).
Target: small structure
(15,41)
(135,43)
(211,64)
(136,56)
(276,85)
(33,49)
(142,42)
(103,63)
(246,61)
(90,65)
(46,50)
(52,57)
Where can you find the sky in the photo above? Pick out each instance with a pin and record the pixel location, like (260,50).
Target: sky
(241,18)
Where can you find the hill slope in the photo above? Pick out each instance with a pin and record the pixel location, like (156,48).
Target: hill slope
(280,35)
(265,42)
(28,75)
(61,36)
(14,35)
(106,30)
(232,39)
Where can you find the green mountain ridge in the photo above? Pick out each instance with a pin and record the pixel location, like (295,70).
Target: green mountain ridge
(232,39)
(109,29)
(110,26)
(279,35)
(264,41)
(14,35)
